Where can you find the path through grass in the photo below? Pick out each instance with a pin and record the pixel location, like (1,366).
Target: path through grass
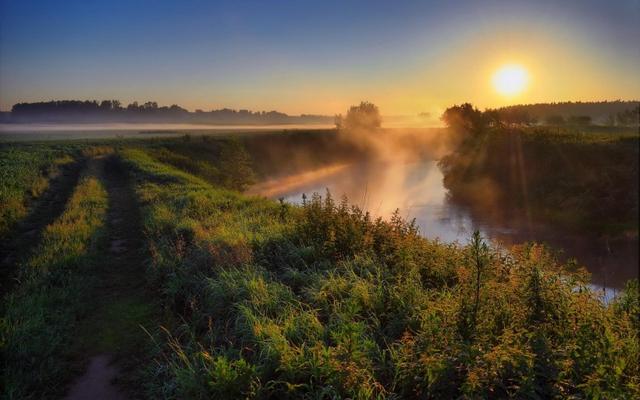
(80,298)
(122,307)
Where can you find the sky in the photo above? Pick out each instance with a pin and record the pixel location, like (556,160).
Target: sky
(317,57)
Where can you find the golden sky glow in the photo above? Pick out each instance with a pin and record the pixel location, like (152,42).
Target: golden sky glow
(305,57)
(510,80)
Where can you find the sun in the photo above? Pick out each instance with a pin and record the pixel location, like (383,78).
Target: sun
(510,80)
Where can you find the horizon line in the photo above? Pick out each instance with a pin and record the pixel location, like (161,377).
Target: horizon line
(619,100)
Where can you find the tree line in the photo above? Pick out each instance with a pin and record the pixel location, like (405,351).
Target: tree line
(115,111)
(612,113)
(466,117)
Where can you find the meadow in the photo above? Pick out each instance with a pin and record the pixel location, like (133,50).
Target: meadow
(41,313)
(246,297)
(25,173)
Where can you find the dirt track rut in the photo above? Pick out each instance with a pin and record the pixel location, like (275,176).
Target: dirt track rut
(111,339)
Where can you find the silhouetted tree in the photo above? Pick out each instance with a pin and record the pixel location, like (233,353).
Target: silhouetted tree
(112,110)
(235,166)
(598,110)
(150,105)
(105,105)
(516,116)
(365,116)
(464,118)
(492,118)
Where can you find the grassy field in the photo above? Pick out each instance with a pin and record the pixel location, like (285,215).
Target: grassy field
(41,314)
(260,299)
(25,174)
(276,301)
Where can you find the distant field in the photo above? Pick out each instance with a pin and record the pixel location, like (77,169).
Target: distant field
(30,132)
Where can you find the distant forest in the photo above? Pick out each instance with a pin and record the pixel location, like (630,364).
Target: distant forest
(68,111)
(619,113)
(623,113)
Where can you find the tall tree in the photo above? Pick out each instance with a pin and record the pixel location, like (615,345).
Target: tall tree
(365,116)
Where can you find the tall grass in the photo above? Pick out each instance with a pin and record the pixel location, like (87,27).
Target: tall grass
(40,315)
(322,301)
(224,162)
(25,173)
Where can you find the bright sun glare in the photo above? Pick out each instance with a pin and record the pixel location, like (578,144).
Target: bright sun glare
(510,80)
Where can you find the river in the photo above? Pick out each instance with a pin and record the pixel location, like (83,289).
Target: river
(417,190)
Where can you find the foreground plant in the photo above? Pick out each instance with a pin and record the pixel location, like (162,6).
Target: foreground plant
(322,301)
(40,315)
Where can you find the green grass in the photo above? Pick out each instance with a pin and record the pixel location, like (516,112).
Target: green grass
(40,315)
(25,173)
(269,301)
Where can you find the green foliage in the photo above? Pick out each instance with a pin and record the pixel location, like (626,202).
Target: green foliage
(629,303)
(465,119)
(506,172)
(479,257)
(269,300)
(40,315)
(197,167)
(25,172)
(363,117)
(235,165)
(224,162)
(322,301)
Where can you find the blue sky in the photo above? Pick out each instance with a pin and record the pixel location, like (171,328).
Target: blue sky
(315,56)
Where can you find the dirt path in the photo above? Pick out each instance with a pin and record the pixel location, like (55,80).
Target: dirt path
(28,232)
(97,382)
(111,339)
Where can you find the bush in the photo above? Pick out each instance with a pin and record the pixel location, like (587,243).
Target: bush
(324,301)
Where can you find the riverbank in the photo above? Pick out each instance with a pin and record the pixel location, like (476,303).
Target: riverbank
(576,181)
(260,298)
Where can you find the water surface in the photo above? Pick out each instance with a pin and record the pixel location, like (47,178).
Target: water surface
(417,191)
